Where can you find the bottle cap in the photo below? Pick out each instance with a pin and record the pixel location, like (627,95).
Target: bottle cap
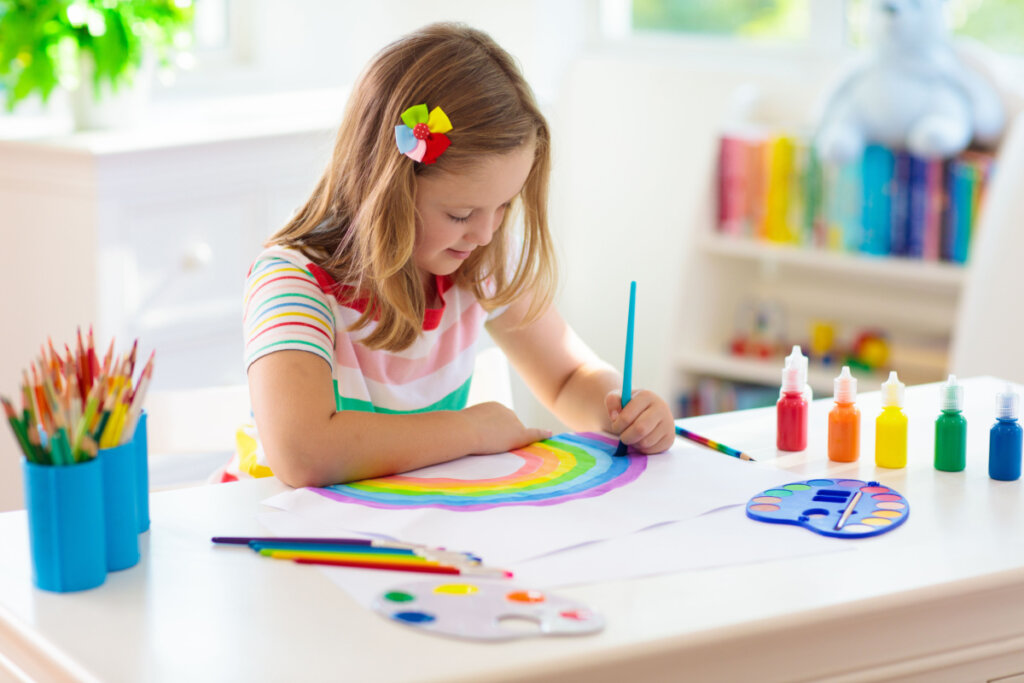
(845,386)
(892,391)
(952,395)
(1007,403)
(797,358)
(792,381)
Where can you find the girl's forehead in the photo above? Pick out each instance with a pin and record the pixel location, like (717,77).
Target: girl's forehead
(496,178)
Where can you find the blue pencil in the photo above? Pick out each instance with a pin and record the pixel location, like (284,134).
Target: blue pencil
(627,365)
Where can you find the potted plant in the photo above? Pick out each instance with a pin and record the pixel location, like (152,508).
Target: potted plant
(94,48)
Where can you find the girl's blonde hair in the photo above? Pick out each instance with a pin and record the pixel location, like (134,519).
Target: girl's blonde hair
(360,222)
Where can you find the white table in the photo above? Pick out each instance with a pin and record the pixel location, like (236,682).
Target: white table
(939,599)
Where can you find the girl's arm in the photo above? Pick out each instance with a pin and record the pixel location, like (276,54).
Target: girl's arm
(308,443)
(578,387)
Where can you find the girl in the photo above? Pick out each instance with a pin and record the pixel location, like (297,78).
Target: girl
(362,315)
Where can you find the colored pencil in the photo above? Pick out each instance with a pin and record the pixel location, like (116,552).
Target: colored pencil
(627,365)
(704,441)
(245,540)
(311,541)
(19,429)
(427,569)
(440,555)
(404,560)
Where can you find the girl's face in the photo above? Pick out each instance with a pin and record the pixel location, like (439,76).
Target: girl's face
(459,212)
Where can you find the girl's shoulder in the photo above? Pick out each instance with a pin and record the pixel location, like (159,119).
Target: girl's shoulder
(277,254)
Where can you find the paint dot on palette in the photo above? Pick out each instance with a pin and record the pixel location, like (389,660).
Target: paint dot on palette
(875,489)
(886,513)
(526,596)
(778,492)
(886,497)
(876,521)
(456,589)
(414,617)
(764,507)
(796,487)
(849,483)
(398,596)
(576,614)
(820,482)
(891,506)
(766,499)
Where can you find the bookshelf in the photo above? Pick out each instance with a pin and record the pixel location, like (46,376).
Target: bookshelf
(914,303)
(911,302)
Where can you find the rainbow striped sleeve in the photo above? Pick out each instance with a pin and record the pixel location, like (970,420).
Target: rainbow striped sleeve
(286,309)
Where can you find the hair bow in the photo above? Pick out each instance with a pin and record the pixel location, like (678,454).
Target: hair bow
(422,137)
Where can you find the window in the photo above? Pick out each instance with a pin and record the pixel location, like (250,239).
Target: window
(997,23)
(772,20)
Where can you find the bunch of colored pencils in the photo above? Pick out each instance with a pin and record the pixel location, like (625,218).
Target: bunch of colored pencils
(364,553)
(74,405)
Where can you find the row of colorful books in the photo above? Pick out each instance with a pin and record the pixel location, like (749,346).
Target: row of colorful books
(890,203)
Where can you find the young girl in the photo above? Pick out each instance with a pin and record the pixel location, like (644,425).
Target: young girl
(361,318)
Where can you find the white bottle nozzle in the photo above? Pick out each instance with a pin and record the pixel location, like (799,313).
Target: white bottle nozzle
(797,358)
(792,382)
(952,395)
(845,386)
(892,391)
(1007,403)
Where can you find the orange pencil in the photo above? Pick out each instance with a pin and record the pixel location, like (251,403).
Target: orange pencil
(108,357)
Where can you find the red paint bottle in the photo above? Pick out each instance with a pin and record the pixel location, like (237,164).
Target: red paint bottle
(791,411)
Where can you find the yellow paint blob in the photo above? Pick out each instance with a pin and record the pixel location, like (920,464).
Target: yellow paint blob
(456,589)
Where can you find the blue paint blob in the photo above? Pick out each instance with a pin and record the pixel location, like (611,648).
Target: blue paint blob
(414,617)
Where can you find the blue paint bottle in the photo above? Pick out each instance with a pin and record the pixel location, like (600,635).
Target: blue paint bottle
(1004,441)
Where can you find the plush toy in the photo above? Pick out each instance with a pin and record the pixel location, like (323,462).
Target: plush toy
(912,91)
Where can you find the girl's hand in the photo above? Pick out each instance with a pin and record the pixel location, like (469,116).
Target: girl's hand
(497,429)
(645,423)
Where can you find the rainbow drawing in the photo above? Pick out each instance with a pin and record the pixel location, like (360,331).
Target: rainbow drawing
(557,470)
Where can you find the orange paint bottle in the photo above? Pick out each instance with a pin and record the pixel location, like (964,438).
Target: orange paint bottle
(844,420)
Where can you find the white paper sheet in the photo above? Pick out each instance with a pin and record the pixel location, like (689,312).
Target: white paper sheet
(720,538)
(683,483)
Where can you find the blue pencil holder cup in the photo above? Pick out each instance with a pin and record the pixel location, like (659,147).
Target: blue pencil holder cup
(120,505)
(66,528)
(141,473)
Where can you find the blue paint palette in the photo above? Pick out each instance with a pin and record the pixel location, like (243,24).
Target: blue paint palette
(843,508)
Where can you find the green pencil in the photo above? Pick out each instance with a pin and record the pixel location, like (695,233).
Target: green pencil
(18,428)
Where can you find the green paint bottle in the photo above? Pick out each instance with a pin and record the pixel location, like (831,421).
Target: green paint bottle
(951,429)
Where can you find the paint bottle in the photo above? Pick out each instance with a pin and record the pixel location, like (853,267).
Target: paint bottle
(844,420)
(891,426)
(1004,441)
(796,357)
(951,429)
(791,412)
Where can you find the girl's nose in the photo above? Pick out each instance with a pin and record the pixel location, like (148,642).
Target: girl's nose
(482,231)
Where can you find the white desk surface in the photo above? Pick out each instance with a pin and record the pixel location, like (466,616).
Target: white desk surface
(939,598)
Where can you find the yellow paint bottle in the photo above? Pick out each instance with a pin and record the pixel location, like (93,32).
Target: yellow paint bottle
(891,426)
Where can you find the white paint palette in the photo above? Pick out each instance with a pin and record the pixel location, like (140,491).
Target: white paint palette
(479,610)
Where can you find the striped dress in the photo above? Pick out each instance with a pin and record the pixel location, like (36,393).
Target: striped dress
(291,303)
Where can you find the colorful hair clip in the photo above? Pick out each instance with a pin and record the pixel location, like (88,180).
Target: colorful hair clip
(423,138)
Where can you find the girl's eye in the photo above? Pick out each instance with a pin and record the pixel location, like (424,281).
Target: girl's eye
(459,219)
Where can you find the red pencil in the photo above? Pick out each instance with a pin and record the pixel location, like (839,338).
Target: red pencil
(425,569)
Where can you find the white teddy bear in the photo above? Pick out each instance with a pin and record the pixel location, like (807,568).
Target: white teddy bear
(912,91)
